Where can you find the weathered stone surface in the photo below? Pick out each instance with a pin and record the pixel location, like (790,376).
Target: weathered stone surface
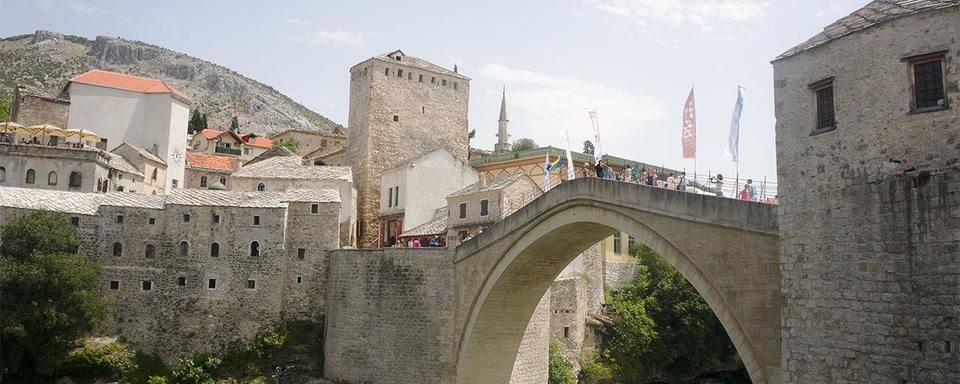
(870,226)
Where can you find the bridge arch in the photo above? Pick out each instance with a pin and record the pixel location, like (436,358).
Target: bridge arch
(502,274)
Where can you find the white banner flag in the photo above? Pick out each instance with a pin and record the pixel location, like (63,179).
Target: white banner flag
(733,142)
(546,173)
(570,172)
(597,152)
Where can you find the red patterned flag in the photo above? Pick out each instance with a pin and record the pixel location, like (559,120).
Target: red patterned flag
(689,138)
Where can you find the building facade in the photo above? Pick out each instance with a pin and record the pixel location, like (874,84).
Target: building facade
(54,168)
(154,169)
(309,141)
(143,112)
(30,107)
(411,194)
(477,206)
(401,107)
(867,158)
(205,171)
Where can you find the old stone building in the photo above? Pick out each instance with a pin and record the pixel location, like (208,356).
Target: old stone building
(477,206)
(31,107)
(196,270)
(69,168)
(868,159)
(401,107)
(312,142)
(205,171)
(153,168)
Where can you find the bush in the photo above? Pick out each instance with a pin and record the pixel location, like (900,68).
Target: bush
(595,371)
(559,371)
(114,360)
(157,380)
(199,369)
(265,342)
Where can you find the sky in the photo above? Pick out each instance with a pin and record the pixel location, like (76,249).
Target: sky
(633,60)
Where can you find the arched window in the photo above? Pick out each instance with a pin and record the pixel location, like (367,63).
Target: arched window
(184,248)
(52,178)
(3,174)
(223,180)
(117,249)
(154,176)
(254,248)
(150,251)
(203,181)
(75,179)
(31,176)
(261,187)
(214,250)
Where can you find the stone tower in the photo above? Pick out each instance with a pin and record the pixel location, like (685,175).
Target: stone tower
(503,138)
(401,107)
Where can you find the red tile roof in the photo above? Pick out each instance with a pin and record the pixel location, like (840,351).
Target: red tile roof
(216,163)
(257,141)
(211,134)
(127,82)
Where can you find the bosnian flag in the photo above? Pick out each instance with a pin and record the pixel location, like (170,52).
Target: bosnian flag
(689,136)
(733,143)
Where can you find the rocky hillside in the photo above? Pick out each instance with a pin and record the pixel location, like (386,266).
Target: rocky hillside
(46,60)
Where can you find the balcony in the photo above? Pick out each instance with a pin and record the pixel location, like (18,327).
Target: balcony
(227,151)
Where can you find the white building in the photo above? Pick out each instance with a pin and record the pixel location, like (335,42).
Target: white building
(144,112)
(410,194)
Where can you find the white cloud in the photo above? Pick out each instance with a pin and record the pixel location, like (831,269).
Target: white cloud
(704,14)
(547,102)
(338,38)
(298,21)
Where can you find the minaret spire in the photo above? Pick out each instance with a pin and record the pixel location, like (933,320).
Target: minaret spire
(503,138)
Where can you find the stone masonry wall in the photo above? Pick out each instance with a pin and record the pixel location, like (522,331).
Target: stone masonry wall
(390,316)
(431,117)
(29,109)
(870,225)
(533,355)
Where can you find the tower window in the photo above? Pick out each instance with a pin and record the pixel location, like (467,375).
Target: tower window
(396,118)
(256,220)
(566,332)
(181,281)
(214,250)
(251,284)
(216,218)
(149,251)
(254,248)
(152,220)
(823,91)
(147,285)
(119,219)
(928,84)
(186,217)
(114,284)
(399,73)
(386,71)
(184,248)
(463,210)
(299,279)
(117,249)
(420,78)
(314,208)
(301,253)
(212,284)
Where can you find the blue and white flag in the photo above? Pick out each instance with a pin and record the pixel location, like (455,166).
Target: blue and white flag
(733,143)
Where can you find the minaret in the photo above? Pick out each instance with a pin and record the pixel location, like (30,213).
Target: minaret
(503,138)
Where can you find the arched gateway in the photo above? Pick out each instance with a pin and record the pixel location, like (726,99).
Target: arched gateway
(727,249)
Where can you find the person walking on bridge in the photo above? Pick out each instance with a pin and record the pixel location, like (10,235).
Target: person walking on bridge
(599,168)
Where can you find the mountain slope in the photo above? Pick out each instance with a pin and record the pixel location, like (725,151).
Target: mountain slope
(46,60)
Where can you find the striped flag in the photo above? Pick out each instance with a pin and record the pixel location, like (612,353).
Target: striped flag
(597,153)
(733,143)
(689,136)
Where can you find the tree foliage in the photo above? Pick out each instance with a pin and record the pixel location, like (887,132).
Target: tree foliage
(289,143)
(234,125)
(197,123)
(49,296)
(664,330)
(559,370)
(4,109)
(524,144)
(588,147)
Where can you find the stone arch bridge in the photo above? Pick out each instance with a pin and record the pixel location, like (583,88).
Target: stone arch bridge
(728,250)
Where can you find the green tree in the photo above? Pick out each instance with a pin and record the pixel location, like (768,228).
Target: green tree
(49,296)
(290,143)
(470,136)
(197,123)
(559,370)
(595,371)
(4,109)
(234,124)
(524,144)
(199,369)
(588,147)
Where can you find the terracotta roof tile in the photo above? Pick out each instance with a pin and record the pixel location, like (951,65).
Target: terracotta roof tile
(126,82)
(259,142)
(211,133)
(211,162)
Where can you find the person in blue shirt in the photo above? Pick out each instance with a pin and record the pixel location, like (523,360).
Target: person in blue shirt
(752,189)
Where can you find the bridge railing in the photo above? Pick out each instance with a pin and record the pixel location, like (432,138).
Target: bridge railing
(765,190)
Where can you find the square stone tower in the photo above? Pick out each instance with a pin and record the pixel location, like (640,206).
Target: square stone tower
(401,107)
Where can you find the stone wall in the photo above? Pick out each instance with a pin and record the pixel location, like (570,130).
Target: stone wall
(618,274)
(430,116)
(533,356)
(29,108)
(17,160)
(390,317)
(870,226)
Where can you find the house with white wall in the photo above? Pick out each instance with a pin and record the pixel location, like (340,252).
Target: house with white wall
(143,112)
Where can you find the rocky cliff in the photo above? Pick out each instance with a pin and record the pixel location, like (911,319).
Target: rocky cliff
(46,60)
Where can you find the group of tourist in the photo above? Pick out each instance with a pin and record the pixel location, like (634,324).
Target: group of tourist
(636,174)
(435,242)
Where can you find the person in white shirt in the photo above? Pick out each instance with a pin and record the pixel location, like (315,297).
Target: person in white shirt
(671,182)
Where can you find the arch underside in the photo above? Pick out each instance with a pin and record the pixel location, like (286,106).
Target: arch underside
(735,270)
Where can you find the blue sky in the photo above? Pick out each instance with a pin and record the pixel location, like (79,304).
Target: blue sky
(633,60)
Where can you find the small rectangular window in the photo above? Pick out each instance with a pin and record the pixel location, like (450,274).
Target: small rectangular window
(386,71)
(75,221)
(454,85)
(463,210)
(147,285)
(484,207)
(396,197)
(216,218)
(152,221)
(212,284)
(617,247)
(299,279)
(314,208)
(396,118)
(181,281)
(433,80)
(399,73)
(390,197)
(823,93)
(301,253)
(119,219)
(186,217)
(420,78)
(256,220)
(114,284)
(566,332)
(251,284)
(928,85)
(443,82)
